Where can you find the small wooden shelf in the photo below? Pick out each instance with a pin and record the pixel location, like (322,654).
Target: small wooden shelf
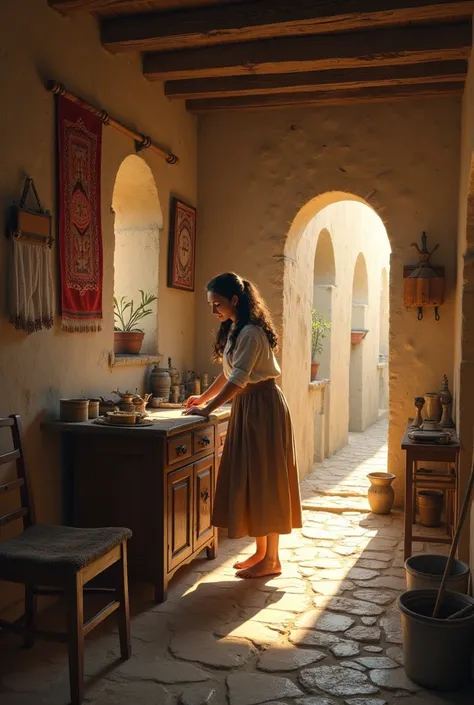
(119,360)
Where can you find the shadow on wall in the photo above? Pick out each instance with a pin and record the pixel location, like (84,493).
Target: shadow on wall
(336,251)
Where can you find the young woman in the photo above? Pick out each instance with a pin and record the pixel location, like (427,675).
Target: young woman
(257,492)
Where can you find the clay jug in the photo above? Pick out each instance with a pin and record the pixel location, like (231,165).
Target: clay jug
(381,494)
(160,383)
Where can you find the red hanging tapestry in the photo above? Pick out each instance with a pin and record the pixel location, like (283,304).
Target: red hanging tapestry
(80,237)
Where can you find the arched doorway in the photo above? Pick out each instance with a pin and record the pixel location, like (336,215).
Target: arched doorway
(348,219)
(138,220)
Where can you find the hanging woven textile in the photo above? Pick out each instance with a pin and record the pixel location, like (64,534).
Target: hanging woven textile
(80,238)
(31,282)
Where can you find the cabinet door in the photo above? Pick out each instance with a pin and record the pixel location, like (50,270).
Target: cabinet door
(180,493)
(203,500)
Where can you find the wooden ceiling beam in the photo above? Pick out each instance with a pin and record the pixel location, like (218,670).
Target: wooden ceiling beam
(385,47)
(305,81)
(323,98)
(219,24)
(107,8)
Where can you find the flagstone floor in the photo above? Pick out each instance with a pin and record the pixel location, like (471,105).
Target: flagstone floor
(325,632)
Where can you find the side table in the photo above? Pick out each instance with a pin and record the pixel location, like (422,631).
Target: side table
(425,452)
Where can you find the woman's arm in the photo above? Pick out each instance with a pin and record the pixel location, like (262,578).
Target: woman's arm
(228,391)
(206,396)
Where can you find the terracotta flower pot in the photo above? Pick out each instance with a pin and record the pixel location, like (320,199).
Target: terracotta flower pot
(357,336)
(314,370)
(381,494)
(129,342)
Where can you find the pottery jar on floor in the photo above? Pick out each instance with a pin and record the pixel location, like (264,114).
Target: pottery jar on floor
(381,495)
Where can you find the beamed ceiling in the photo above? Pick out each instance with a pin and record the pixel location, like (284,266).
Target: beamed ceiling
(234,55)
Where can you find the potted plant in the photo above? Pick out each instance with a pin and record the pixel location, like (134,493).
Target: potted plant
(128,337)
(319,330)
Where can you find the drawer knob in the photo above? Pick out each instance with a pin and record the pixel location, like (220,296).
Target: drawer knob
(181,450)
(205,441)
(205,495)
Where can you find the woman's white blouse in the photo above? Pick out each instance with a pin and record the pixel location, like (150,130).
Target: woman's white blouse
(252,359)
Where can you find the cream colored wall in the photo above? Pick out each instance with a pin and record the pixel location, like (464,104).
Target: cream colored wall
(36,370)
(257,171)
(464,313)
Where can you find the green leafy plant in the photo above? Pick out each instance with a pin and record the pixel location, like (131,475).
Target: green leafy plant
(127,316)
(319,330)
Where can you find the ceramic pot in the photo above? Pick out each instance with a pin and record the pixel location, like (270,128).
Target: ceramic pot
(430,507)
(160,383)
(381,495)
(94,408)
(129,342)
(314,370)
(358,336)
(73,410)
(433,406)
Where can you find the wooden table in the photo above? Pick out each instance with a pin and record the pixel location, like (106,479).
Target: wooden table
(427,452)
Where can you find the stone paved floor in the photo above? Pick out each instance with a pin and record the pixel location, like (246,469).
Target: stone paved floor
(326,632)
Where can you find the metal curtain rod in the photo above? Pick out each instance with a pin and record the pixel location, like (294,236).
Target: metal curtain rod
(141,141)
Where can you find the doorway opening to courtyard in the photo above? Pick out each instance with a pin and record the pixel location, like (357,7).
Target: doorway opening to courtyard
(337,264)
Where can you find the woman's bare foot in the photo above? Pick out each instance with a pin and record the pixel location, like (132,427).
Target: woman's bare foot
(249,562)
(260,569)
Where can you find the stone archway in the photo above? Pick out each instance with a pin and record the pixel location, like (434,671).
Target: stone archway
(138,221)
(298,291)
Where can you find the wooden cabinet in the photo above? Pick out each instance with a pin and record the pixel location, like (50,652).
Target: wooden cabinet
(180,496)
(157,482)
(203,500)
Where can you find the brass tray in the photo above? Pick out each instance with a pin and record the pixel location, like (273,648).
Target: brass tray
(430,436)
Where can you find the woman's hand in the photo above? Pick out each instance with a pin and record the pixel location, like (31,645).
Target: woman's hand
(194,401)
(196,411)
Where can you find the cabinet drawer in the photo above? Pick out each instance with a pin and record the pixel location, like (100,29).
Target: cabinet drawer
(203,439)
(221,434)
(179,448)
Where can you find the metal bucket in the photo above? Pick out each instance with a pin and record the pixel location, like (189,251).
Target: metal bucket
(425,571)
(437,652)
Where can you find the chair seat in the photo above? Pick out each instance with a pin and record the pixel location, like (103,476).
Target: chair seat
(55,551)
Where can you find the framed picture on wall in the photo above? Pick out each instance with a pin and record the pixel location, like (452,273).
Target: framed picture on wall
(182,246)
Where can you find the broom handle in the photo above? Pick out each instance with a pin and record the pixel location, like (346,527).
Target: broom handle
(454,545)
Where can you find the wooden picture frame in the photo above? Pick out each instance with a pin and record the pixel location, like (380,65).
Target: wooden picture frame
(182,246)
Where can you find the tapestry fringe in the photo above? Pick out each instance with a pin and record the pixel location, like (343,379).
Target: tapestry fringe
(28,325)
(74,325)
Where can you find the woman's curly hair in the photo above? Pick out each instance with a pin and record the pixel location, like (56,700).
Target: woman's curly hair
(251,308)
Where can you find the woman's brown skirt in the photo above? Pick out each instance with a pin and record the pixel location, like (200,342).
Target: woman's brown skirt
(257,489)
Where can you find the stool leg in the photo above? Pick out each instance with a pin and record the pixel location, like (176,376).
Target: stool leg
(75,620)
(123,611)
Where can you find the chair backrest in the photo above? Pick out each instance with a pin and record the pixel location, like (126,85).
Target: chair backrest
(26,510)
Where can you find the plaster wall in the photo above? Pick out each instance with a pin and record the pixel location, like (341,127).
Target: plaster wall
(464,312)
(262,176)
(37,370)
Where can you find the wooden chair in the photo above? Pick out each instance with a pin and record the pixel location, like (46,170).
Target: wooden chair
(60,560)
